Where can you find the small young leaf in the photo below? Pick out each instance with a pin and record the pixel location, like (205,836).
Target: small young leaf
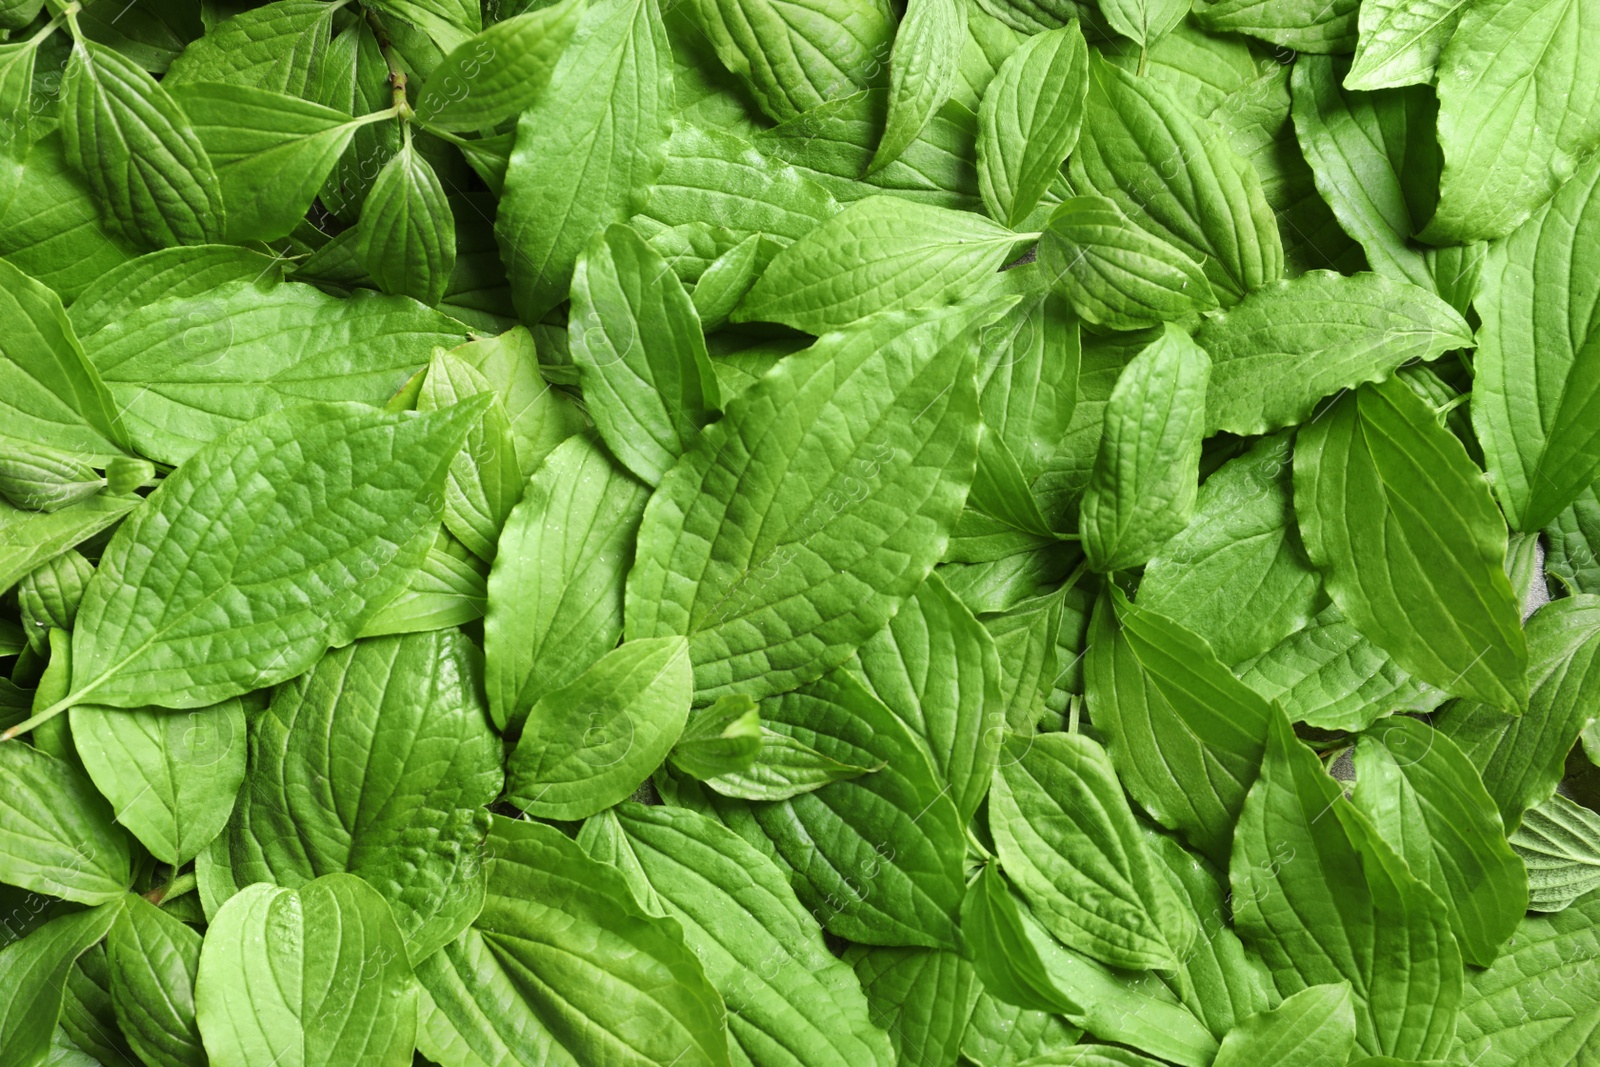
(407,235)
(500,72)
(922,72)
(641,356)
(1145,476)
(1115,274)
(1029,121)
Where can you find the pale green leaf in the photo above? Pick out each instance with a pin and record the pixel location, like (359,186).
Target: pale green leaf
(1211,207)
(878,254)
(579,161)
(308,977)
(1145,478)
(922,72)
(873,433)
(1069,842)
(641,356)
(1116,274)
(1518,111)
(590,743)
(556,589)
(485,481)
(406,237)
(57,836)
(377,762)
(171,776)
(259,569)
(133,144)
(1411,547)
(563,968)
(1237,574)
(1029,121)
(153,960)
(1325,900)
(1289,344)
(499,72)
(1315,1027)
(1536,396)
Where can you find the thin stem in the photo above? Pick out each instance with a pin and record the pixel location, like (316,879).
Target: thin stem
(1143,55)
(446,135)
(174,889)
(43,717)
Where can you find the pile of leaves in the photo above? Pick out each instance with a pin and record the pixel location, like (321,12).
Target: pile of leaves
(826,534)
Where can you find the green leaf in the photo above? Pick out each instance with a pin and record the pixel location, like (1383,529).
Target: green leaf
(407,236)
(1068,840)
(1377,165)
(1028,375)
(51,226)
(834,143)
(1200,68)
(170,274)
(1004,1035)
(1144,483)
(1025,638)
(500,72)
(280,46)
(1325,900)
(1185,734)
(923,997)
(640,353)
(377,762)
(890,841)
(1540,1001)
(49,391)
(564,968)
(185,371)
(271,151)
(171,776)
(791,1003)
(1144,21)
(30,539)
(1029,121)
(293,537)
(1116,274)
(725,738)
(878,254)
(447,589)
(1237,573)
(1211,208)
(1288,345)
(795,56)
(784,767)
(795,526)
(556,589)
(1400,42)
(449,22)
(922,72)
(937,669)
(33,979)
(133,144)
(1520,757)
(1013,953)
(1315,26)
(1258,124)
(1218,979)
(1329,676)
(541,417)
(153,960)
(1535,415)
(588,744)
(1559,843)
(1400,522)
(1517,113)
(1408,775)
(311,976)
(580,157)
(485,481)
(1315,1027)
(714,175)
(57,837)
